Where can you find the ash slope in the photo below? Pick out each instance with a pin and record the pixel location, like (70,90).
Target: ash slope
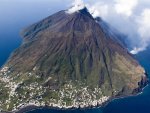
(68,60)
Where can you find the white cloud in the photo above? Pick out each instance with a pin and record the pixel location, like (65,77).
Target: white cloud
(98,9)
(144,23)
(77,5)
(125,6)
(137,50)
(131,17)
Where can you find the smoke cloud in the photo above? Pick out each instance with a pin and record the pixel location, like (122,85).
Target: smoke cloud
(131,17)
(77,5)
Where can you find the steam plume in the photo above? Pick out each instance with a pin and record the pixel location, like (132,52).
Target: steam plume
(130,17)
(77,5)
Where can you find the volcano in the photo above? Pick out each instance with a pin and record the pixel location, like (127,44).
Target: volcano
(69,60)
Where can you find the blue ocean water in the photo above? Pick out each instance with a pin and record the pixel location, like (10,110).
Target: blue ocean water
(136,104)
(16,14)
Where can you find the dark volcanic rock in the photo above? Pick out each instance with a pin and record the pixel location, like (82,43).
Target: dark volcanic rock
(74,49)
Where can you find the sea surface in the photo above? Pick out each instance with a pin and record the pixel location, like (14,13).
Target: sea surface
(17,14)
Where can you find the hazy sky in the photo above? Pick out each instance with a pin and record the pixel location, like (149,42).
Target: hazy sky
(131,17)
(18,14)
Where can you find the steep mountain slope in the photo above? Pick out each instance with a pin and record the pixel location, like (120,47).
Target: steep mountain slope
(67,60)
(113,33)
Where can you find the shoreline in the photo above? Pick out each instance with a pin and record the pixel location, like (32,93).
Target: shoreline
(30,107)
(34,107)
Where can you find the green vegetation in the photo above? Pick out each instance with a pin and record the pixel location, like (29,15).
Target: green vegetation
(68,61)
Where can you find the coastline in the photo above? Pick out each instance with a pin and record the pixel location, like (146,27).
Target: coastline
(29,108)
(136,92)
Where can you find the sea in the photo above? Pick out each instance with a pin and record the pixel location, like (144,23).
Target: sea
(15,15)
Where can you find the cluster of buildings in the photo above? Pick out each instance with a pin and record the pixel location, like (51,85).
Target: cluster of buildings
(4,71)
(69,96)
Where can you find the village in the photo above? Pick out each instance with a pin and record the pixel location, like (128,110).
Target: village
(31,94)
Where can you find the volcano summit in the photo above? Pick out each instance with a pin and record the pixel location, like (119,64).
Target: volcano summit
(69,60)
